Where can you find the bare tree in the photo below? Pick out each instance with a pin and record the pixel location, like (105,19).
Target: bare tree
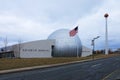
(19,46)
(5,44)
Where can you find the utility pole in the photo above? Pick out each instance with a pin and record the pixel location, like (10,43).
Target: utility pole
(93,44)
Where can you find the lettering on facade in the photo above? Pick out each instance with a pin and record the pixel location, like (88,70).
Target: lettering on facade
(85,51)
(34,50)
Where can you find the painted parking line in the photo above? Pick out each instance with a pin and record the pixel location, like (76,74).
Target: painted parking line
(105,78)
(96,65)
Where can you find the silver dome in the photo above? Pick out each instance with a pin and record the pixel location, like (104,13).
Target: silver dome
(65,46)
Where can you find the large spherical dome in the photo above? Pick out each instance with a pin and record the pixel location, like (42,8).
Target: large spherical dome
(65,46)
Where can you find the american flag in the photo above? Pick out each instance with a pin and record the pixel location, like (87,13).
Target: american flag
(73,32)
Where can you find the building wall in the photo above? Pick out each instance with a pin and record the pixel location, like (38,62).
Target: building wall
(39,49)
(86,51)
(35,49)
(15,49)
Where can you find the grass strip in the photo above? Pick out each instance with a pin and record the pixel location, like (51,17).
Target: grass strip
(6,64)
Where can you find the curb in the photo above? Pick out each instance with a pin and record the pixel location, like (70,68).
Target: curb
(40,67)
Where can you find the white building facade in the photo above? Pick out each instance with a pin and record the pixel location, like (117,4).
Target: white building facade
(33,49)
(86,51)
(37,49)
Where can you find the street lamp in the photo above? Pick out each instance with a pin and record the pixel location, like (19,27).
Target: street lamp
(106,34)
(93,44)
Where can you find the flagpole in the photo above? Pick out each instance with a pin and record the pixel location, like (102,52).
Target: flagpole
(76,47)
(73,33)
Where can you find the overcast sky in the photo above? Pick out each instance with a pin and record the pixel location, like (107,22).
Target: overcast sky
(31,20)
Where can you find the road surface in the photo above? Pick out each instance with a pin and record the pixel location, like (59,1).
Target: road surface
(90,70)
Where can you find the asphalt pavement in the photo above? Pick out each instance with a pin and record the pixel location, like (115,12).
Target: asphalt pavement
(90,70)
